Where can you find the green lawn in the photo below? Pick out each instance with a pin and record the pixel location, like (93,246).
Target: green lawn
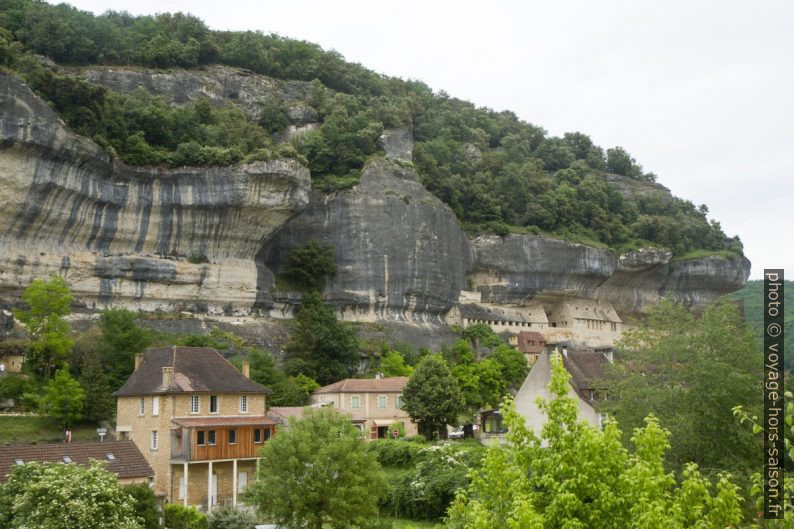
(36,429)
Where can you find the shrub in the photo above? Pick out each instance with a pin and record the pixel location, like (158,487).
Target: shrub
(180,517)
(144,505)
(228,518)
(395,453)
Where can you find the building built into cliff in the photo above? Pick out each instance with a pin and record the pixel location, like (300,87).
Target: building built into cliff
(374,404)
(198,422)
(592,323)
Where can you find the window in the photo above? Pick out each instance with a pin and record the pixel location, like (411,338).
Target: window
(67,459)
(211,437)
(194,404)
(200,437)
(19,462)
(602,419)
(213,404)
(111,457)
(243,403)
(142,406)
(257,435)
(232,437)
(399,402)
(153,445)
(383,401)
(267,434)
(155,405)
(242,481)
(355,402)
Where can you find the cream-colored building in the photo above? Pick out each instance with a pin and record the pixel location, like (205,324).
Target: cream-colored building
(591,323)
(500,318)
(197,420)
(374,404)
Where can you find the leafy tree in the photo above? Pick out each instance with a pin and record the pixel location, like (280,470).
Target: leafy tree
(393,365)
(432,397)
(180,517)
(311,264)
(574,475)
(122,339)
(144,505)
(228,518)
(63,399)
(317,472)
(58,496)
(673,359)
(48,301)
(513,365)
(319,346)
(99,404)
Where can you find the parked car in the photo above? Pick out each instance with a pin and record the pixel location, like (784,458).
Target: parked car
(460,431)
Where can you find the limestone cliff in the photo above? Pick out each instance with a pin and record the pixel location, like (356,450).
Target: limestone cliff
(213,238)
(149,237)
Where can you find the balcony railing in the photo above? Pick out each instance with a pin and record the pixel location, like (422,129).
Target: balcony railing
(217,501)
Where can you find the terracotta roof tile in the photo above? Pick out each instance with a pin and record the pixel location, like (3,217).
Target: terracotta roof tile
(196,369)
(366,385)
(127,462)
(192,422)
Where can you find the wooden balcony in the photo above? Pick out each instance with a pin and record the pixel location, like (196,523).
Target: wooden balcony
(213,438)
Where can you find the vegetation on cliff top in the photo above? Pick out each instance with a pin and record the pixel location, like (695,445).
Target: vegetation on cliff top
(494,170)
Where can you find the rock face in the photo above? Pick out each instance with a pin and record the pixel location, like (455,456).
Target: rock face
(211,239)
(400,252)
(148,237)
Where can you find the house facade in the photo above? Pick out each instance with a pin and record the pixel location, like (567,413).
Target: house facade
(591,323)
(197,420)
(531,343)
(374,404)
(587,369)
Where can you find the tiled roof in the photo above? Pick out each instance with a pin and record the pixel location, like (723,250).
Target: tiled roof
(589,309)
(127,462)
(586,368)
(366,385)
(196,369)
(530,342)
(481,311)
(192,422)
(282,414)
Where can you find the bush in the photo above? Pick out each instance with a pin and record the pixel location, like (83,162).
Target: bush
(396,453)
(228,518)
(179,517)
(144,505)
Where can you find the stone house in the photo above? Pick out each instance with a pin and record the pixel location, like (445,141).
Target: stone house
(530,343)
(198,421)
(587,370)
(120,457)
(592,323)
(374,404)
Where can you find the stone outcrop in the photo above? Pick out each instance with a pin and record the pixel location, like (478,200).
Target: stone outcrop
(148,237)
(400,252)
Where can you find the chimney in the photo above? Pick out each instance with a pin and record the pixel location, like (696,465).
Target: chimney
(246,369)
(138,360)
(168,376)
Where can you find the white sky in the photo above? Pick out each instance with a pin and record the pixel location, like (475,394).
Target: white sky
(699,92)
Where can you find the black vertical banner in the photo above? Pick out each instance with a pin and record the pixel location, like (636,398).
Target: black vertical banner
(774,419)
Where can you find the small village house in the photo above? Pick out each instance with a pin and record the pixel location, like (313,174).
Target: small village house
(197,420)
(120,457)
(592,323)
(531,343)
(374,404)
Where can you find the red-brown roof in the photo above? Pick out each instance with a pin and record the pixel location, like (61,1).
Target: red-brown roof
(192,422)
(196,370)
(127,460)
(586,369)
(282,414)
(366,385)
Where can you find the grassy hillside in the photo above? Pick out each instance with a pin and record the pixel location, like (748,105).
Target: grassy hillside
(753,297)
(497,172)
(39,429)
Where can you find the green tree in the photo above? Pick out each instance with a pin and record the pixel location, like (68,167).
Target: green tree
(674,358)
(393,365)
(432,397)
(63,399)
(58,496)
(317,472)
(311,264)
(99,404)
(48,302)
(319,346)
(122,339)
(575,476)
(144,505)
